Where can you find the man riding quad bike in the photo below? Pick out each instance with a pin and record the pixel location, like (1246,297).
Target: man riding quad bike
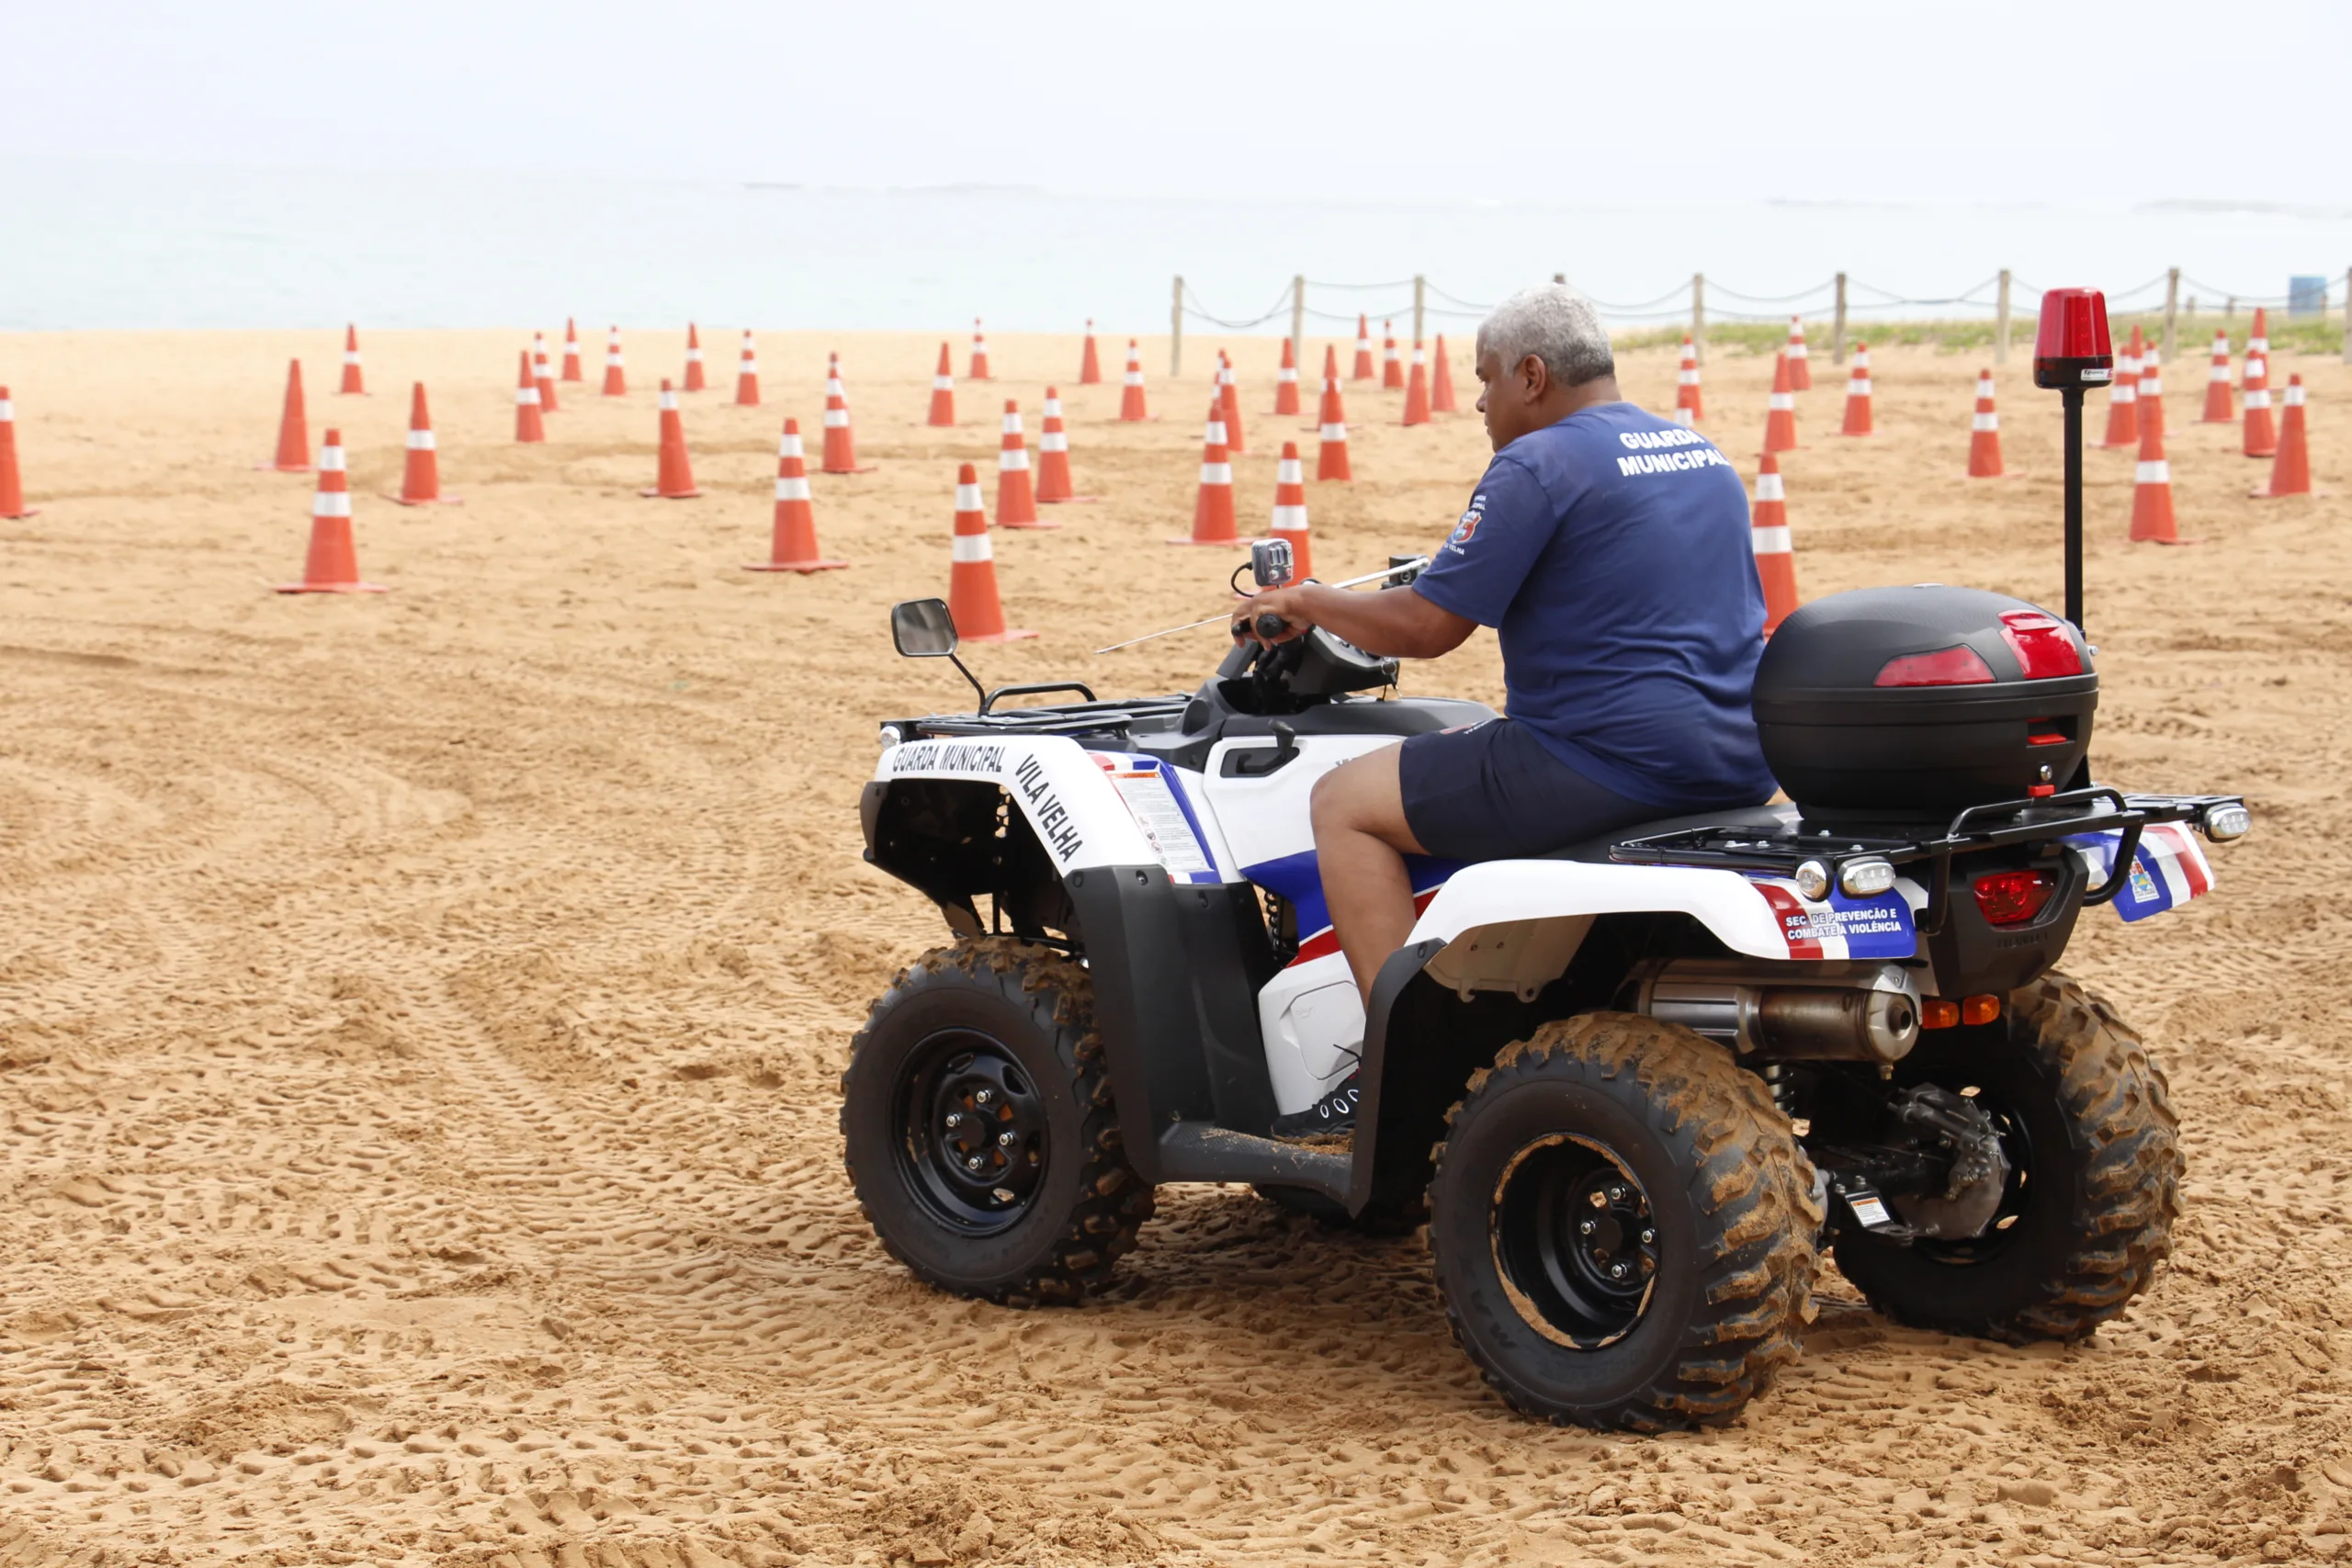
(1633,1043)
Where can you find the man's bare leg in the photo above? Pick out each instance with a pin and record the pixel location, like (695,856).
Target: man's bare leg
(1361,842)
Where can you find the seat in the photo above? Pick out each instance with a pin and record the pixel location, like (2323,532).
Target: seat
(1774,820)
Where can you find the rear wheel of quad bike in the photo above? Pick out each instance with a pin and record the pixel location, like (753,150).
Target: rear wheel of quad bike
(1623,1226)
(2086,1121)
(979,1128)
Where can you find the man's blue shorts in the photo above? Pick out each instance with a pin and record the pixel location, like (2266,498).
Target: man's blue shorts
(1491,791)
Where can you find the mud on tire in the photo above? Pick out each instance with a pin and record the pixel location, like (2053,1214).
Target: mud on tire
(1030,1198)
(1703,1162)
(2094,1186)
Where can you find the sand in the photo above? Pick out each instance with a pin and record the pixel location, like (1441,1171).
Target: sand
(420,1015)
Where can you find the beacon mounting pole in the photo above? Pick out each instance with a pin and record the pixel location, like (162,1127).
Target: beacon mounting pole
(2072,353)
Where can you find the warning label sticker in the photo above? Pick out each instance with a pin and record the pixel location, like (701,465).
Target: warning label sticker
(1153,806)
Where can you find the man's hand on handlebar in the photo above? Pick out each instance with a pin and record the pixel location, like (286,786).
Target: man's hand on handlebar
(1275,616)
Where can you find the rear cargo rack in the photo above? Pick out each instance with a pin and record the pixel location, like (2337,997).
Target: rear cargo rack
(2050,818)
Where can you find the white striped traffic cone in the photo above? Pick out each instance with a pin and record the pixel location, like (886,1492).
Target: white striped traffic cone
(421,472)
(2261,434)
(571,350)
(1800,357)
(530,428)
(1212,521)
(2218,410)
(1016,497)
(1857,394)
(1984,433)
(1290,513)
(1776,561)
(840,445)
(331,565)
(695,381)
(979,353)
(616,375)
(747,375)
(674,471)
(1230,399)
(1392,368)
(1689,408)
(544,373)
(943,393)
(972,602)
(1054,484)
(1131,405)
(1331,458)
(792,540)
(12,479)
(354,384)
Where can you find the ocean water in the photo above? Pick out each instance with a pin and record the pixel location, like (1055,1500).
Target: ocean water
(91,244)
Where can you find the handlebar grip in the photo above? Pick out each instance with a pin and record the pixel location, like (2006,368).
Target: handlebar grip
(1271,626)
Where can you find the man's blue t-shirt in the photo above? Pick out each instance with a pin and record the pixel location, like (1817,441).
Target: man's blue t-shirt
(1611,552)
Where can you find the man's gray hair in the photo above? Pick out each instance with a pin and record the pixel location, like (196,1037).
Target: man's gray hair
(1555,324)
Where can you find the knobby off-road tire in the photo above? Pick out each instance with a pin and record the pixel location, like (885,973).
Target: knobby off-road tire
(1722,1186)
(2095,1182)
(1001,1032)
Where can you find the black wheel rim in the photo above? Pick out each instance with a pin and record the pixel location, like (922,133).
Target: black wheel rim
(1575,1241)
(972,1144)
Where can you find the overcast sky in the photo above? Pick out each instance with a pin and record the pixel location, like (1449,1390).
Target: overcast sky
(2051,101)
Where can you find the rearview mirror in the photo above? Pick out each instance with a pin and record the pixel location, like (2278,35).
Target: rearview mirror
(922,628)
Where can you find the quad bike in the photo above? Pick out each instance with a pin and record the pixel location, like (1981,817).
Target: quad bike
(1634,1087)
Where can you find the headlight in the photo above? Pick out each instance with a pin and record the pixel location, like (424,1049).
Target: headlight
(1866,878)
(2224,823)
(890,736)
(1812,879)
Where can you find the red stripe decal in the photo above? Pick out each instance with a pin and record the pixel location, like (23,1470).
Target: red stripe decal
(2185,855)
(1790,914)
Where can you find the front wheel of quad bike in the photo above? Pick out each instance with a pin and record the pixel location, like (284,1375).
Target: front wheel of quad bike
(979,1128)
(2094,1152)
(1623,1226)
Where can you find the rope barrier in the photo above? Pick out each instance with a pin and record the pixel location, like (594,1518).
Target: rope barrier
(2025,301)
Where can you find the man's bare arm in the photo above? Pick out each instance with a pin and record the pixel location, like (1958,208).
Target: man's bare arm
(1394,622)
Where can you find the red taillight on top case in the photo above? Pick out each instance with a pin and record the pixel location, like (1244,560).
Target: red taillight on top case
(2041,642)
(1962,666)
(2013,897)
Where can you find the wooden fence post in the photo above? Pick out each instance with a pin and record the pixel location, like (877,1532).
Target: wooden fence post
(1176,331)
(2172,314)
(2001,321)
(1698,317)
(1838,326)
(1420,289)
(1298,320)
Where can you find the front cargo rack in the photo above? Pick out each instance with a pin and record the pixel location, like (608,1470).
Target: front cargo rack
(1105,717)
(2096,810)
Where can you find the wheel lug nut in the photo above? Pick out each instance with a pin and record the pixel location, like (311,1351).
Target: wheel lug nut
(973,1162)
(1616,1271)
(955,1119)
(1584,1227)
(1005,1140)
(1648,1237)
(983,1096)
(1617,1194)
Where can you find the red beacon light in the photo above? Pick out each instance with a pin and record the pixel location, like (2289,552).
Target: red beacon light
(2071,347)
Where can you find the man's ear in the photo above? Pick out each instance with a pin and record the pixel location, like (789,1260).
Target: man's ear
(1535,377)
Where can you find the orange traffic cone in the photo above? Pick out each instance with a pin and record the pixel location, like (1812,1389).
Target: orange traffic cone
(615,372)
(1857,394)
(694,382)
(674,474)
(747,375)
(544,374)
(1417,391)
(1442,382)
(2151,518)
(2257,345)
(1052,456)
(1089,363)
(12,480)
(1286,383)
(1689,408)
(972,603)
(1780,420)
(2289,474)
(2123,398)
(2217,383)
(1392,369)
(791,545)
(355,384)
(571,350)
(1776,561)
(2261,434)
(332,564)
(529,426)
(1984,433)
(1131,408)
(293,428)
(942,391)
(2151,399)
(1213,521)
(1800,362)
(979,354)
(1228,398)
(1290,513)
(1016,497)
(421,475)
(1364,370)
(1332,461)
(841,447)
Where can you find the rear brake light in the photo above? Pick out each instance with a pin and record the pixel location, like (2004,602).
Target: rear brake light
(2013,897)
(2042,644)
(1976,1010)
(1938,1012)
(1962,666)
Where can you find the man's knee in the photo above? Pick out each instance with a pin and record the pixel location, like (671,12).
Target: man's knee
(1361,796)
